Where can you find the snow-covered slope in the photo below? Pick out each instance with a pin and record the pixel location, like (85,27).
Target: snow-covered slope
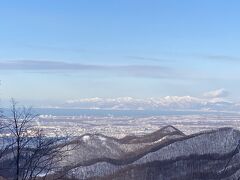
(94,147)
(208,151)
(208,102)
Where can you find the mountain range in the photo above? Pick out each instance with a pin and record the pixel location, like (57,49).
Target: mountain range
(163,103)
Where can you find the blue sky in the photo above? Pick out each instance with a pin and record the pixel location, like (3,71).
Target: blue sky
(59,50)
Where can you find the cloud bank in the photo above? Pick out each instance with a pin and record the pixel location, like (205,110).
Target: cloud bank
(57,66)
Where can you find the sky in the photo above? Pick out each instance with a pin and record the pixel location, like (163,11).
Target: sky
(60,50)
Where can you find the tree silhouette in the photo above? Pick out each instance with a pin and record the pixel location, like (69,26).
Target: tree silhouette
(30,151)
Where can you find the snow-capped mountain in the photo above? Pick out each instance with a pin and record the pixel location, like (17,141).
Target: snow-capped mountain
(163,103)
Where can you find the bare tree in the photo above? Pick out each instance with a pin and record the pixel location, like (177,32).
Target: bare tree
(33,154)
(4,144)
(3,148)
(45,156)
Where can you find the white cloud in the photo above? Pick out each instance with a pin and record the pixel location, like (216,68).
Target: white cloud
(219,93)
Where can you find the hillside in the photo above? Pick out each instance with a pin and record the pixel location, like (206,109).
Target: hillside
(166,154)
(171,156)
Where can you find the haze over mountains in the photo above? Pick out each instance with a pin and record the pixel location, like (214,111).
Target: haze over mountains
(216,100)
(210,101)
